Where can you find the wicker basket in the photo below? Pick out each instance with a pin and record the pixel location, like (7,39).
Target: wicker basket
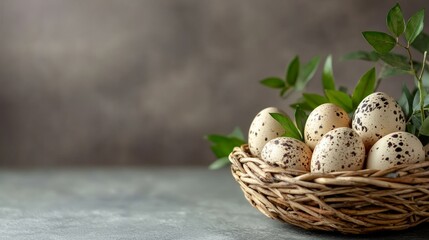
(354,202)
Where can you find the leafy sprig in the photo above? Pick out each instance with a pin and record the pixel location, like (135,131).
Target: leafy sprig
(222,146)
(384,43)
(414,103)
(296,77)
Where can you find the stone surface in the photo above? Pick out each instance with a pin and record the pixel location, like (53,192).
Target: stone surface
(140,204)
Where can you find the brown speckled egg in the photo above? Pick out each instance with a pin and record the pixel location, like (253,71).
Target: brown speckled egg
(323,119)
(376,116)
(263,129)
(426,149)
(288,153)
(395,149)
(340,149)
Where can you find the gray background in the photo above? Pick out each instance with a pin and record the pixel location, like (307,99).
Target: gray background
(140,82)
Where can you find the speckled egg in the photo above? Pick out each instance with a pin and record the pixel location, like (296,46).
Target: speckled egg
(288,153)
(426,149)
(263,129)
(323,119)
(376,116)
(395,149)
(340,149)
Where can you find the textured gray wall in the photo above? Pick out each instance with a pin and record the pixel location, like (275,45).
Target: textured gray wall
(140,82)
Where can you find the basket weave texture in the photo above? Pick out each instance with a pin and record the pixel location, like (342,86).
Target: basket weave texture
(355,202)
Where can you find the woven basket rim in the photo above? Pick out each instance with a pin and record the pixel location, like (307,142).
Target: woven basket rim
(355,202)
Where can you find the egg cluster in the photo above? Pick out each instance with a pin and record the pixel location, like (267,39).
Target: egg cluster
(374,138)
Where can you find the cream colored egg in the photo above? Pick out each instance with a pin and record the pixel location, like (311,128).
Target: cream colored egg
(395,149)
(288,153)
(323,119)
(376,116)
(340,149)
(263,129)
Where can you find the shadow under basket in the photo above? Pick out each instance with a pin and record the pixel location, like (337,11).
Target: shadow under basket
(355,202)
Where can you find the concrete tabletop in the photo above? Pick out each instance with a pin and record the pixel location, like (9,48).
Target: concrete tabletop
(141,203)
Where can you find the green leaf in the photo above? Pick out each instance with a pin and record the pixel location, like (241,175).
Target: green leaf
(328,74)
(237,133)
(396,60)
(219,163)
(381,42)
(287,124)
(416,120)
(222,145)
(425,79)
(273,82)
(411,129)
(406,101)
(292,71)
(306,73)
(421,43)
(424,129)
(389,71)
(340,99)
(284,90)
(302,104)
(314,100)
(343,89)
(364,87)
(300,119)
(395,21)
(361,55)
(416,101)
(414,26)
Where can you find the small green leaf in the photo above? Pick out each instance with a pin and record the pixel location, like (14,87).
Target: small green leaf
(273,82)
(314,100)
(388,71)
(343,89)
(328,74)
(381,42)
(364,87)
(292,71)
(425,79)
(416,101)
(222,145)
(421,43)
(284,90)
(424,129)
(411,129)
(302,104)
(361,55)
(300,119)
(395,21)
(287,124)
(219,163)
(237,133)
(416,120)
(414,26)
(340,99)
(306,73)
(396,61)
(406,101)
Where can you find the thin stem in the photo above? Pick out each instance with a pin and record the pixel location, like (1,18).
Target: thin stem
(410,57)
(423,66)
(419,77)
(378,77)
(422,105)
